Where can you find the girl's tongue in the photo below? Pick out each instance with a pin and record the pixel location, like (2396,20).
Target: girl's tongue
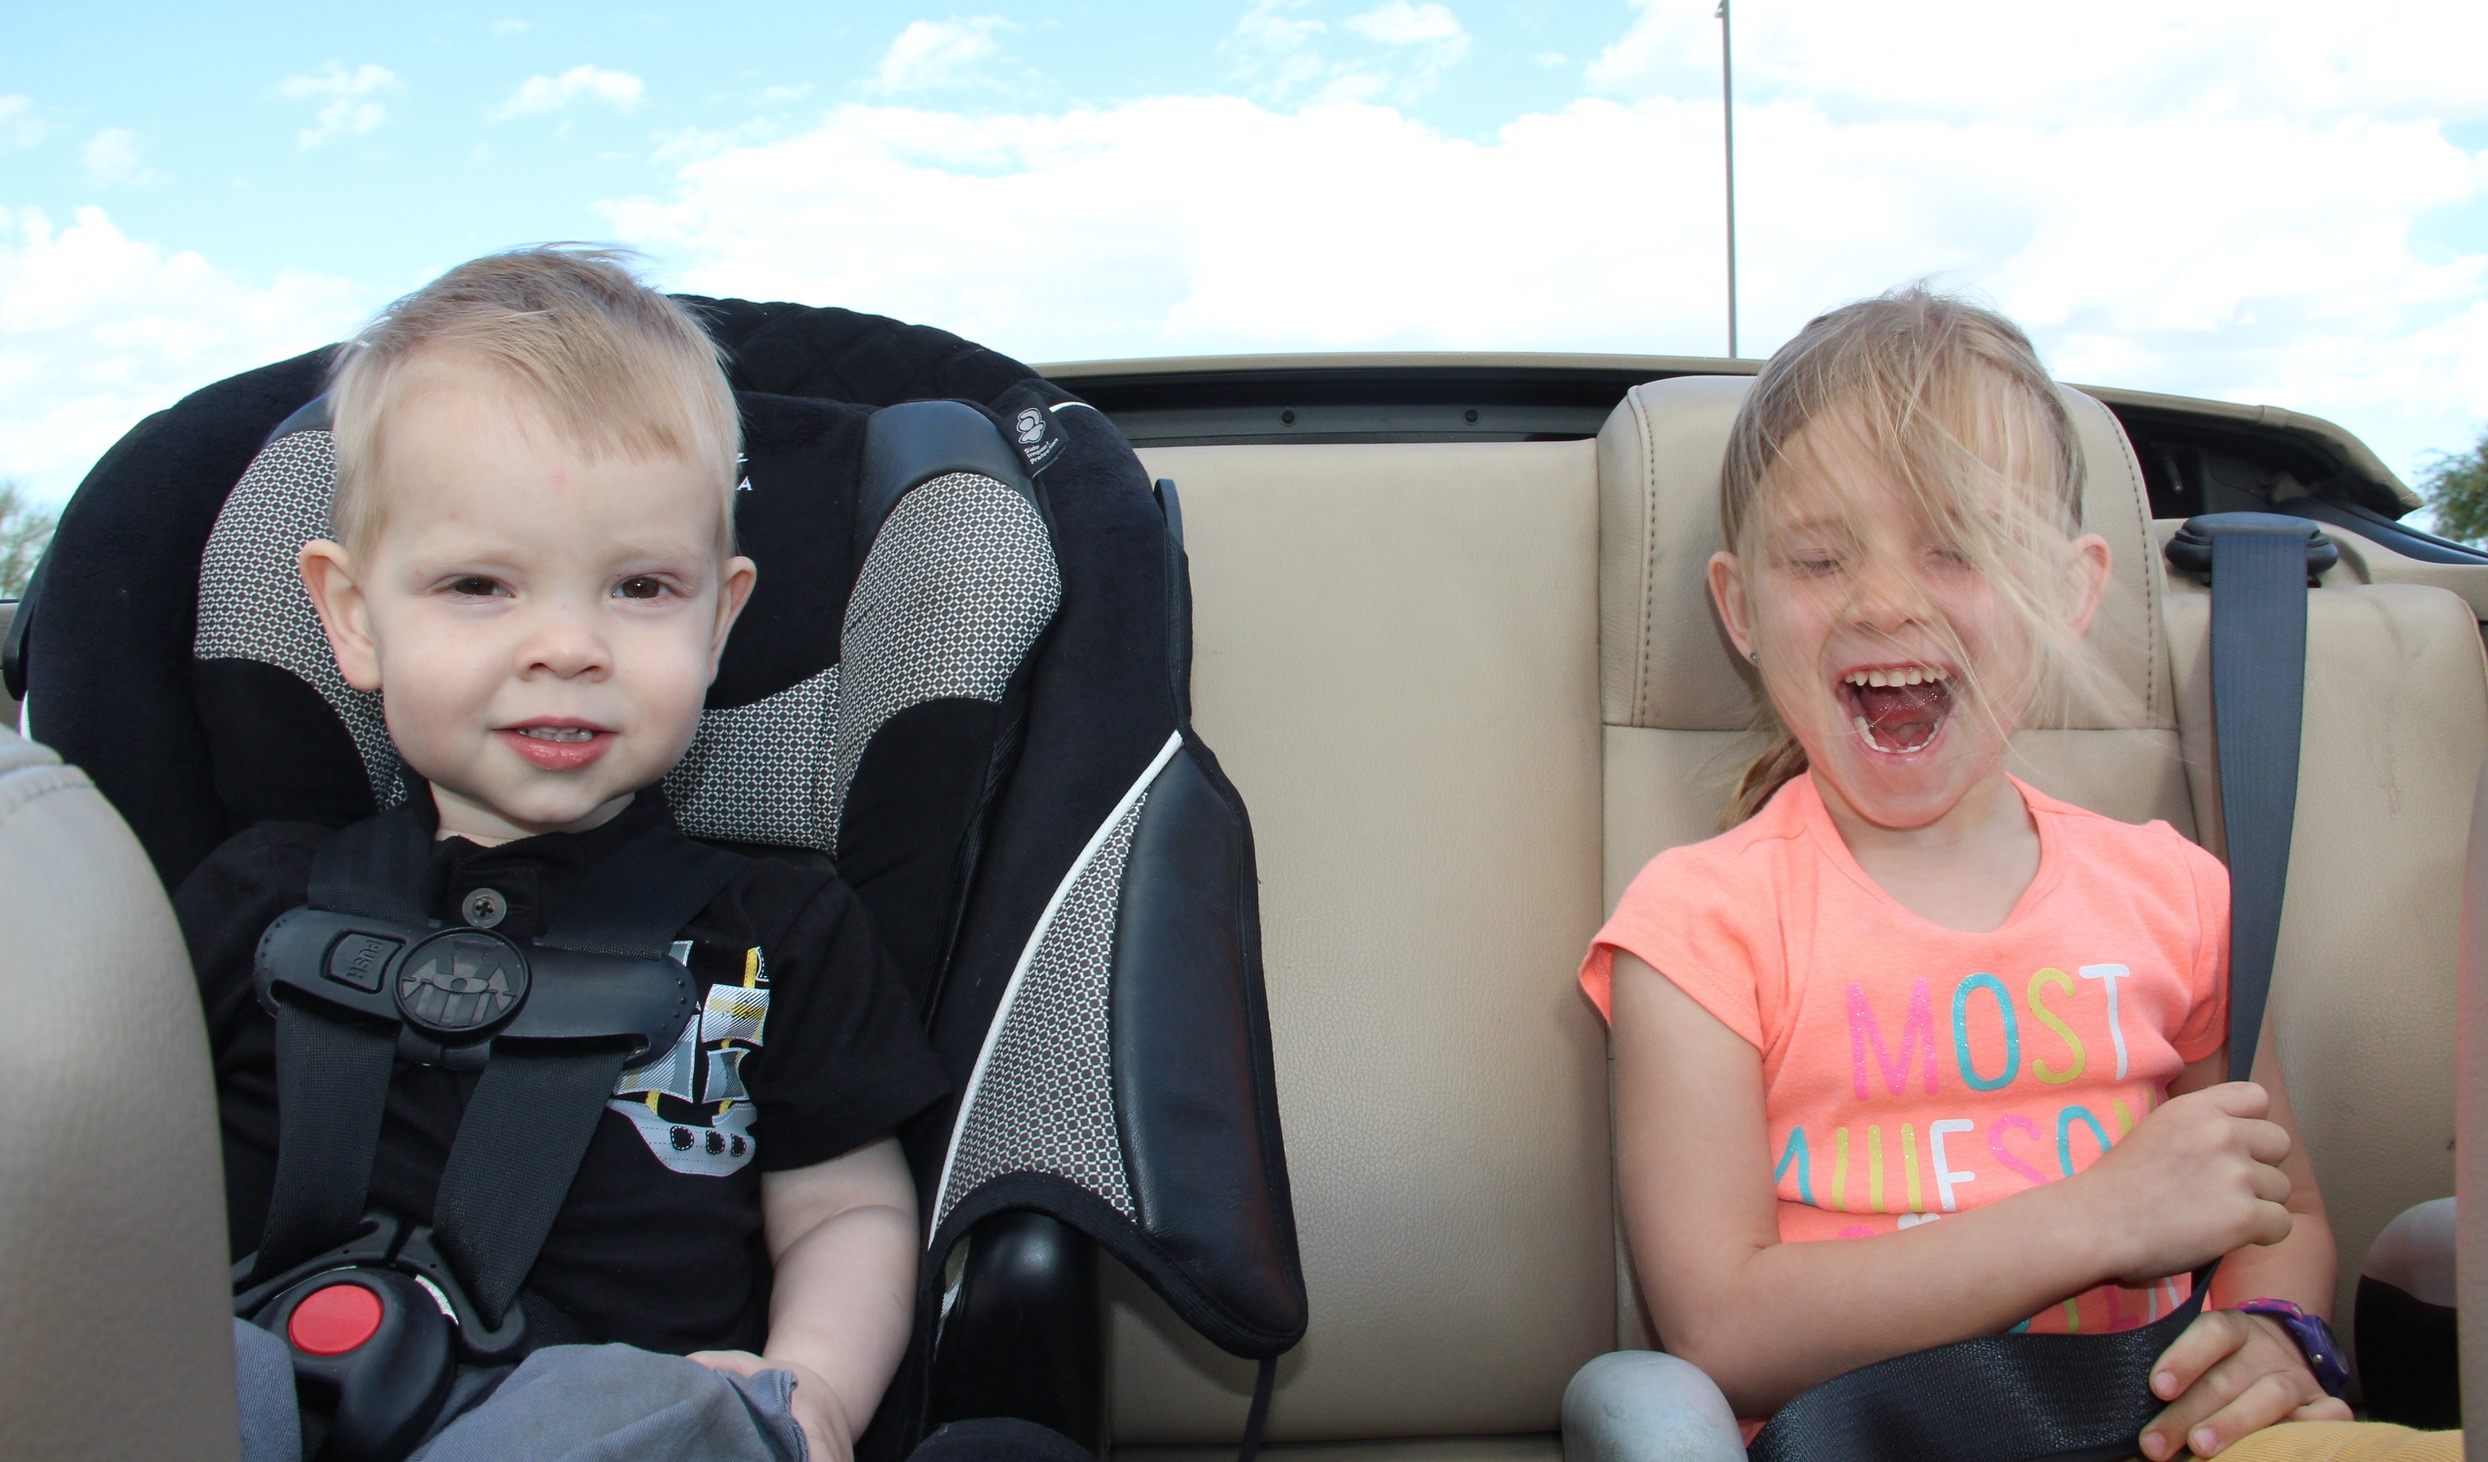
(1898,717)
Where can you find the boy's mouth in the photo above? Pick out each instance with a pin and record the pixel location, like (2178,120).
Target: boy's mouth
(1896,709)
(557,745)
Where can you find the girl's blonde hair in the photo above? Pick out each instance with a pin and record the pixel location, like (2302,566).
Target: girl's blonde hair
(1951,402)
(612,365)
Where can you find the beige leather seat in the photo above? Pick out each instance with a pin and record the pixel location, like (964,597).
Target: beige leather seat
(115,1331)
(1468,690)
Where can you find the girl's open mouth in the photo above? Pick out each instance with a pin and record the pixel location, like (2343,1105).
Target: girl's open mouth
(1897,709)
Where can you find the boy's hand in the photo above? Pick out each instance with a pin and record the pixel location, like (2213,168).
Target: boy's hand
(2198,1178)
(2230,1374)
(814,1405)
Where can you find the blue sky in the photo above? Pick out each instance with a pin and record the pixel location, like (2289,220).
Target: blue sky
(2277,201)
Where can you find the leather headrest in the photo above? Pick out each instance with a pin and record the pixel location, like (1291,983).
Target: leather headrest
(1665,661)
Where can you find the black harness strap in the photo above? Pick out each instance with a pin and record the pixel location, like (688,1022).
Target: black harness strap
(332,1075)
(538,1102)
(2085,1398)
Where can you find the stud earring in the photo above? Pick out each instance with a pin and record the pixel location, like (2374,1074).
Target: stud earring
(1754,655)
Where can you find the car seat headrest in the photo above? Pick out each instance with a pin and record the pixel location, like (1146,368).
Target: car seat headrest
(1665,661)
(903,561)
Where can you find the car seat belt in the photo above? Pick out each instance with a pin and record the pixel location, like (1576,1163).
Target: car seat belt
(359,978)
(2086,1398)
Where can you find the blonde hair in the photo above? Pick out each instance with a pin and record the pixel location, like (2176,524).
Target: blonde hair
(613,366)
(1951,401)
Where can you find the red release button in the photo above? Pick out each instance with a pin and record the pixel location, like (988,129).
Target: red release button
(334,1320)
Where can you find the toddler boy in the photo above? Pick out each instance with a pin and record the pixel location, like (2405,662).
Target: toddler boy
(534,565)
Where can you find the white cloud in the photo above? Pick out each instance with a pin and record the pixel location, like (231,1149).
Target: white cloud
(349,106)
(111,156)
(508,27)
(19,126)
(936,53)
(552,93)
(1399,23)
(98,329)
(1280,55)
(1273,48)
(2176,252)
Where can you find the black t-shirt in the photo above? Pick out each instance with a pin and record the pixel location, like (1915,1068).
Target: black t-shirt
(806,1048)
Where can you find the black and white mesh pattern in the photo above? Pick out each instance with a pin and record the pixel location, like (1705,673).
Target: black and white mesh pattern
(761,773)
(1042,1096)
(958,584)
(252,605)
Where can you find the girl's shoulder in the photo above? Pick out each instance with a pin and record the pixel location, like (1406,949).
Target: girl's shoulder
(2153,848)
(1728,865)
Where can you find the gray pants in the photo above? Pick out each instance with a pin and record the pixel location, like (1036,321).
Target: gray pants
(575,1403)
(1645,1406)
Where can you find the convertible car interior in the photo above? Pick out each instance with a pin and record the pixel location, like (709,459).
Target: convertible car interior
(1450,640)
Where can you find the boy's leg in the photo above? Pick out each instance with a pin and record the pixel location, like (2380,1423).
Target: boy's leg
(612,1403)
(1645,1406)
(263,1382)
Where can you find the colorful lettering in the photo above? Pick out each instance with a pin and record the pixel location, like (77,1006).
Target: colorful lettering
(1795,1152)
(1995,1144)
(1840,1170)
(1874,1170)
(1961,1033)
(1909,1164)
(2055,1024)
(1917,1036)
(2125,1119)
(2109,975)
(1945,1177)
(2064,1136)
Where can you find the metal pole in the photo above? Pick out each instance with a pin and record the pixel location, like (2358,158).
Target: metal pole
(1727,117)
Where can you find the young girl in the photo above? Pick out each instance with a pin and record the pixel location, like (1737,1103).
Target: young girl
(1908,1001)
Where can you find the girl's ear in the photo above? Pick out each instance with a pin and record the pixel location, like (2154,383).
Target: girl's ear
(328,576)
(1727,586)
(2092,564)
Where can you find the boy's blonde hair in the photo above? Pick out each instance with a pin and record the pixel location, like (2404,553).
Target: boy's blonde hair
(1951,401)
(610,364)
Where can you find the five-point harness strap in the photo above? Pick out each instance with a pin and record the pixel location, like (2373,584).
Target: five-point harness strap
(2019,1398)
(360,977)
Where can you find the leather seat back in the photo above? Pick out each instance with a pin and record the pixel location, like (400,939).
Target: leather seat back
(115,1334)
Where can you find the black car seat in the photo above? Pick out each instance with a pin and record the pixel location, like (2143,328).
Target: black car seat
(963,676)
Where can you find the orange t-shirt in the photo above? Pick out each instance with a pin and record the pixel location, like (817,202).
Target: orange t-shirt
(1910,1070)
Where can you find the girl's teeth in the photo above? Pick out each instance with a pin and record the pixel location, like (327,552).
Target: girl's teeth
(556,733)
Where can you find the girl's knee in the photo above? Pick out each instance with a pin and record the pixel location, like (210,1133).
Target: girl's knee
(1646,1406)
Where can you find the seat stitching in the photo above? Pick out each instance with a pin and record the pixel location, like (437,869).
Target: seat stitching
(1641,713)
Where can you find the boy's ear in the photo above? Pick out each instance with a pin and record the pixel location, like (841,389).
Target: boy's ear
(328,576)
(734,590)
(1727,586)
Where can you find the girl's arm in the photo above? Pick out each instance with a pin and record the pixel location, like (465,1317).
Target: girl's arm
(1766,1320)
(2231,1374)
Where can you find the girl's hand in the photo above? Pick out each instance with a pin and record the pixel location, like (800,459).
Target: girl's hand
(2230,1374)
(2196,1179)
(813,1405)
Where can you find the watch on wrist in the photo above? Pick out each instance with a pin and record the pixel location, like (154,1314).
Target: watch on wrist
(2315,1341)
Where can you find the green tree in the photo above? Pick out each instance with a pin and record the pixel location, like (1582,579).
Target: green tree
(25,530)
(2455,485)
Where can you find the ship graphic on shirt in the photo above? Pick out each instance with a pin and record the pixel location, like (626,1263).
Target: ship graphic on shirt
(689,1102)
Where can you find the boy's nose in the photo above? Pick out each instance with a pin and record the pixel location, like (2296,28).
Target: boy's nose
(564,644)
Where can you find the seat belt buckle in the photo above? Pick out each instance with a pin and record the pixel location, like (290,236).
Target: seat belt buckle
(2190,553)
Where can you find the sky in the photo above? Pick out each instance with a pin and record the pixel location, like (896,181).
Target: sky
(2251,200)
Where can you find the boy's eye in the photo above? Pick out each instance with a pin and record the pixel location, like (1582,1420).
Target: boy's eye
(640,586)
(473,586)
(1813,563)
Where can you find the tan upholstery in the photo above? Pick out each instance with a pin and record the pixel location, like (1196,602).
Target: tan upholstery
(2471,1214)
(115,1337)
(1396,658)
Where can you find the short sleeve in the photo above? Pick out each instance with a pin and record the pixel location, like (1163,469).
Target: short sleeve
(1696,915)
(845,1060)
(2206,1026)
